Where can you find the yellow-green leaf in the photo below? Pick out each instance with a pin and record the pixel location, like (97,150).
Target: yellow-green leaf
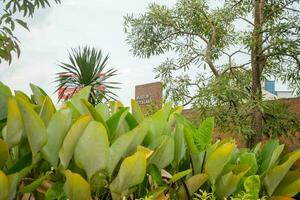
(4,152)
(131,173)
(76,99)
(47,110)
(92,150)
(290,185)
(34,127)
(71,139)
(75,187)
(217,160)
(13,181)
(164,153)
(57,129)
(192,184)
(127,144)
(228,183)
(14,128)
(180,175)
(4,186)
(103,110)
(137,111)
(275,175)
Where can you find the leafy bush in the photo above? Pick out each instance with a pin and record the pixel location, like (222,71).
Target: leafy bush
(81,152)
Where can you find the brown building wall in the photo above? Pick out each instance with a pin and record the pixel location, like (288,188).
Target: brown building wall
(291,143)
(150,93)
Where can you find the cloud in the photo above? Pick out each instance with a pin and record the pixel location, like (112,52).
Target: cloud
(53,31)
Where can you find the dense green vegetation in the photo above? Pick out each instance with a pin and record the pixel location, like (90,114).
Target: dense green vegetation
(107,152)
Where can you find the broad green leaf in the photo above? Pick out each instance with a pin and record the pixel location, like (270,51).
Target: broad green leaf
(34,127)
(290,185)
(76,99)
(115,121)
(189,131)
(203,136)
(5,93)
(132,172)
(22,163)
(127,144)
(56,192)
(180,175)
(4,186)
(34,185)
(192,184)
(256,149)
(13,181)
(71,139)
(115,106)
(24,96)
(92,150)
(176,110)
(227,184)
(57,130)
(179,144)
(275,175)
(247,158)
(271,161)
(158,124)
(137,111)
(14,128)
(92,111)
(103,110)
(131,121)
(266,153)
(217,160)
(76,188)
(47,110)
(189,138)
(75,112)
(38,94)
(4,153)
(164,154)
(155,174)
(252,186)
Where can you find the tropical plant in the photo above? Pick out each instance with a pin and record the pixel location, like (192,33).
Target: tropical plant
(86,68)
(209,47)
(10,17)
(106,152)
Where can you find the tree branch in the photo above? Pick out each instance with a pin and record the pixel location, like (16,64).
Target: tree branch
(246,20)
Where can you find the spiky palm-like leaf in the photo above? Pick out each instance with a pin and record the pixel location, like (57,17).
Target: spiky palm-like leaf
(86,68)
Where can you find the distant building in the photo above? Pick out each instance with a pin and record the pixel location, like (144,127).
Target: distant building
(270,93)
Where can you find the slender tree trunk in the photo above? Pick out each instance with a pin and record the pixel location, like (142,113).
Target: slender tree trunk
(257,64)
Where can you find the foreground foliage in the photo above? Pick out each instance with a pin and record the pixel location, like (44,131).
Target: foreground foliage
(106,152)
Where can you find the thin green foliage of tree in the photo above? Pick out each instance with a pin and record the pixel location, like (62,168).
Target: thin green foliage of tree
(14,12)
(224,48)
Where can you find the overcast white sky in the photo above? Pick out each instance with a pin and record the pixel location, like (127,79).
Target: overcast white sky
(97,23)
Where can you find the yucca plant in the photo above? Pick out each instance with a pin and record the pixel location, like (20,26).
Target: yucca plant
(86,67)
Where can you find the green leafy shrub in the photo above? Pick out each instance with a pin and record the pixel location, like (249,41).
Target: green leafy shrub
(81,151)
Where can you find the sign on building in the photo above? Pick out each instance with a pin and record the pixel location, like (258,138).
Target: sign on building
(148,94)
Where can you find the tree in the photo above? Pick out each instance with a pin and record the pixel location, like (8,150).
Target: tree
(86,68)
(260,39)
(10,17)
